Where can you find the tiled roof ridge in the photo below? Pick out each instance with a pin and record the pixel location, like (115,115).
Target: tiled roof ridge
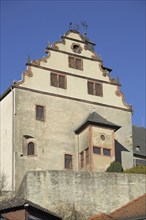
(129,203)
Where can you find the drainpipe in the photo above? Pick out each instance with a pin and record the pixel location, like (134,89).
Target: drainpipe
(13,156)
(90,149)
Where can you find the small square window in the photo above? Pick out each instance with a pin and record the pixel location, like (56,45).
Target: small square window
(75,62)
(58,80)
(106,152)
(96,150)
(137,148)
(68,161)
(95,88)
(40,112)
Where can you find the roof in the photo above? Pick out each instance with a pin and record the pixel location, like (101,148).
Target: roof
(134,209)
(96,119)
(139,140)
(102,216)
(18,202)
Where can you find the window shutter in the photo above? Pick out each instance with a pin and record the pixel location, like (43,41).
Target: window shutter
(54,80)
(71,62)
(98,89)
(78,64)
(90,88)
(62,83)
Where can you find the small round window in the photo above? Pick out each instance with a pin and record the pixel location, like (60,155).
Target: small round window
(102,137)
(76,48)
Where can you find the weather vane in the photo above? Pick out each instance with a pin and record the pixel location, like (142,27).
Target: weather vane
(76,27)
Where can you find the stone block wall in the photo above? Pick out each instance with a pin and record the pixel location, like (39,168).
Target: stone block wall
(78,195)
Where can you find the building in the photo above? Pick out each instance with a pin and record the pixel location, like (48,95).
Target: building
(139,145)
(66,113)
(21,209)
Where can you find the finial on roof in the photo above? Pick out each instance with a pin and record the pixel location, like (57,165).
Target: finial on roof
(28,59)
(85,26)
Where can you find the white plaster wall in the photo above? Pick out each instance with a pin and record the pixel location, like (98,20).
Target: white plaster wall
(76,88)
(6,139)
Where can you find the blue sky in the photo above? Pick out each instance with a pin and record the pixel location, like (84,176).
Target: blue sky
(116,26)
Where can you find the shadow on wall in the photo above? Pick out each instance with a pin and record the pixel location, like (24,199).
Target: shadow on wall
(118,149)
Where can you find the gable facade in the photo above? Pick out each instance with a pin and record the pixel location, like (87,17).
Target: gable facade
(56,95)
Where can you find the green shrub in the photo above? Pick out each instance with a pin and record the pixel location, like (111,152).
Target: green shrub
(115,167)
(141,169)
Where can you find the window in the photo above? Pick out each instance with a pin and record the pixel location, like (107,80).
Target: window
(102,137)
(58,80)
(87,155)
(101,151)
(30,148)
(106,152)
(95,88)
(76,48)
(40,112)
(75,63)
(96,150)
(82,159)
(68,161)
(137,148)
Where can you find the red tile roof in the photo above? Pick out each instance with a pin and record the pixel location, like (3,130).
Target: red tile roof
(135,208)
(102,216)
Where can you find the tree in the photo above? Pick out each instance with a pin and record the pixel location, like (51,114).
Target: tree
(115,167)
(3,182)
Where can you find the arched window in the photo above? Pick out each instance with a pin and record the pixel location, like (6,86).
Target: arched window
(30,148)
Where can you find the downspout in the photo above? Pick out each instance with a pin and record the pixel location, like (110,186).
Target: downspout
(13,127)
(90,149)
(78,152)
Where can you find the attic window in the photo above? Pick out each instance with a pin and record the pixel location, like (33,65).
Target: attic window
(58,80)
(75,63)
(95,88)
(137,148)
(76,48)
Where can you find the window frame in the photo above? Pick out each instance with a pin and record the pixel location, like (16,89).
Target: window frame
(73,64)
(82,161)
(71,167)
(102,151)
(94,89)
(44,113)
(57,83)
(25,142)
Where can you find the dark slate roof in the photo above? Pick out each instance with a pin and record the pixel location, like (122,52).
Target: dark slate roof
(96,119)
(139,140)
(19,202)
(135,209)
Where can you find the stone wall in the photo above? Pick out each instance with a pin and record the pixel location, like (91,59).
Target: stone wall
(78,195)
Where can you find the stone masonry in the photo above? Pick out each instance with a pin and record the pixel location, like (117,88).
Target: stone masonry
(78,195)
